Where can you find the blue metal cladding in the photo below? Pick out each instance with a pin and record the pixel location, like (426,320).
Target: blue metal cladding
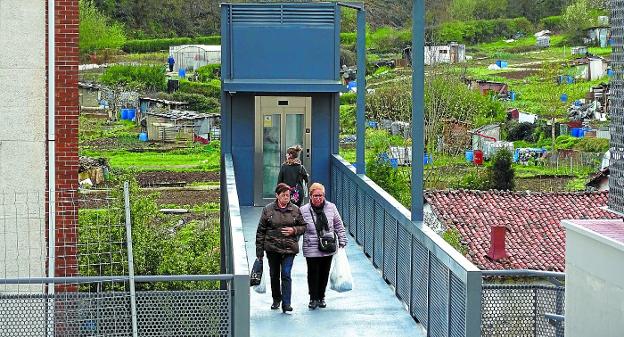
(294,41)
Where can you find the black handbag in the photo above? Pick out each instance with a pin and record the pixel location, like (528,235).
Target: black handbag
(328,242)
(256,273)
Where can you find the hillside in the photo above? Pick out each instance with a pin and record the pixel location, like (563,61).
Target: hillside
(171,18)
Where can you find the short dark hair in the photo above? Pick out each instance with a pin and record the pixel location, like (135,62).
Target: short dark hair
(281,188)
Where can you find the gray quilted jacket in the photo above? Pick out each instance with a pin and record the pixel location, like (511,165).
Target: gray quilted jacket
(310,238)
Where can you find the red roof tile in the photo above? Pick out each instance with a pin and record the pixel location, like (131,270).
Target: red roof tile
(535,237)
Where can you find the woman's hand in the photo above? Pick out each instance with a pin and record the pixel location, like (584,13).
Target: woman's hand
(288,231)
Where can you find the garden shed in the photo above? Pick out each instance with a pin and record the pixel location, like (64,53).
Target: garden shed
(451,53)
(589,68)
(194,56)
(90,94)
(182,125)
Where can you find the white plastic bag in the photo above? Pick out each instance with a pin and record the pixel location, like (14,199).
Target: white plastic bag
(340,278)
(261,288)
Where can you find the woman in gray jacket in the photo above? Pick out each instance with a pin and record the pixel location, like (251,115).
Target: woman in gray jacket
(320,216)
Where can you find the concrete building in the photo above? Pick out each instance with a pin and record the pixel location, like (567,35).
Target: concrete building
(594,287)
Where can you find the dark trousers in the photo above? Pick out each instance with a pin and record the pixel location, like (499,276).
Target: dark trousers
(170,66)
(318,275)
(281,265)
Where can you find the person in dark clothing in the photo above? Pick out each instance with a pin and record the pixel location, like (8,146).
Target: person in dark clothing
(171,62)
(293,174)
(322,217)
(278,233)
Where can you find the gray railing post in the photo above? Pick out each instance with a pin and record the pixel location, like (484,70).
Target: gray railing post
(474,290)
(135,330)
(240,286)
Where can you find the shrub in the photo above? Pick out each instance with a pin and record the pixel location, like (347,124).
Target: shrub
(97,31)
(566,142)
(520,131)
(209,72)
(478,31)
(347,119)
(476,179)
(348,98)
(348,38)
(140,77)
(210,89)
(552,23)
(592,145)
(501,174)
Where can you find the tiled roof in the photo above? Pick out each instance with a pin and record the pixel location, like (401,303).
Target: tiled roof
(535,238)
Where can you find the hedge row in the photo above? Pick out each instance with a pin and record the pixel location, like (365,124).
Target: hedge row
(479,31)
(154,45)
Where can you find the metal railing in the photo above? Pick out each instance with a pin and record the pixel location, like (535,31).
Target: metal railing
(527,303)
(441,288)
(234,253)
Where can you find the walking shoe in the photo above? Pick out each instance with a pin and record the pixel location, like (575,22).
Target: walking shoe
(276,304)
(286,307)
(313,304)
(321,304)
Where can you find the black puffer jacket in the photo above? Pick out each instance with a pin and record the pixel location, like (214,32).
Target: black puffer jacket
(292,174)
(269,235)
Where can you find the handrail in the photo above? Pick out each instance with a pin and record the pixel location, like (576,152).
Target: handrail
(432,241)
(118,278)
(446,292)
(235,250)
(523,273)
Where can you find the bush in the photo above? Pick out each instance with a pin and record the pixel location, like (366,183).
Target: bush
(96,31)
(476,179)
(210,89)
(348,98)
(140,77)
(347,119)
(478,31)
(566,142)
(154,45)
(197,102)
(209,72)
(552,23)
(501,174)
(520,131)
(348,38)
(592,145)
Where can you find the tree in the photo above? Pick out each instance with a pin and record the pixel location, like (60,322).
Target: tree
(576,18)
(501,173)
(97,31)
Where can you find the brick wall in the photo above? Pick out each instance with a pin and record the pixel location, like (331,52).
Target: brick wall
(66,145)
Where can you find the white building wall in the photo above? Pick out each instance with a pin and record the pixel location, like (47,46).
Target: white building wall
(22,138)
(594,284)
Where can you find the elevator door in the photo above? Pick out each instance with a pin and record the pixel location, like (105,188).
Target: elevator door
(281,122)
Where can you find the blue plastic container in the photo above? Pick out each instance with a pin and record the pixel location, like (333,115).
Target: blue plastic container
(512,95)
(131,114)
(372,124)
(469,156)
(577,132)
(570,79)
(503,64)
(143,137)
(182,72)
(124,114)
(427,159)
(577,103)
(394,162)
(610,72)
(564,98)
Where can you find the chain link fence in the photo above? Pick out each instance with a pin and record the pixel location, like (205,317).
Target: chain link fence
(93,291)
(616,110)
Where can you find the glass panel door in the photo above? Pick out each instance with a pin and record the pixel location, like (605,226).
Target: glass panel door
(294,130)
(272,152)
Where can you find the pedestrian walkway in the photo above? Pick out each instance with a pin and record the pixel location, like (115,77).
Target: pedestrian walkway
(370,309)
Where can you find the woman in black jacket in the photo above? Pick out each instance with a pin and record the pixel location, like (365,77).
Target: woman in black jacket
(278,233)
(293,174)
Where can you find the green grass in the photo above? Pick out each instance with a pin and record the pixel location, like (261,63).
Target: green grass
(198,158)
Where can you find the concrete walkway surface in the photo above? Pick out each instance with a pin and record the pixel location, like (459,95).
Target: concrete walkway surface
(370,309)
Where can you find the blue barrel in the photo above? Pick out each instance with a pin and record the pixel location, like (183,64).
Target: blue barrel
(182,72)
(124,114)
(575,132)
(498,63)
(581,133)
(512,95)
(143,137)
(570,79)
(394,162)
(131,114)
(564,98)
(469,156)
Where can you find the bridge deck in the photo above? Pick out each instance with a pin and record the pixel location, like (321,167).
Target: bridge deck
(371,309)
